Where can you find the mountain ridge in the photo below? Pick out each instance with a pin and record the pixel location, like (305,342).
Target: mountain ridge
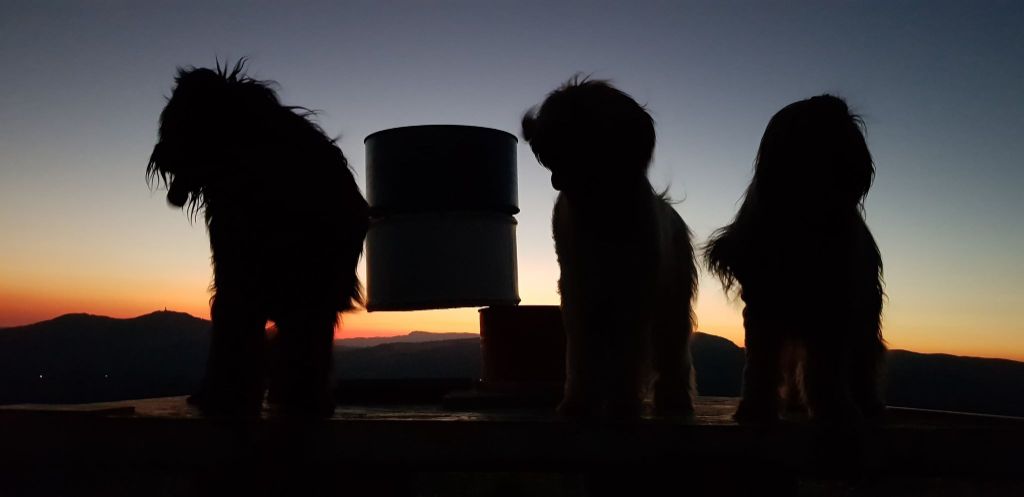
(414,335)
(82,357)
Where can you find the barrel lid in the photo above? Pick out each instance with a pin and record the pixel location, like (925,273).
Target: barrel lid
(439,127)
(441,167)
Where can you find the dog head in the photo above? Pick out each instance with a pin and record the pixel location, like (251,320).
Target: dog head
(208,119)
(590,135)
(813,159)
(813,169)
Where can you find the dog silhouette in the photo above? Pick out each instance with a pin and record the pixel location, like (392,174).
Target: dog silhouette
(628,275)
(802,259)
(286,223)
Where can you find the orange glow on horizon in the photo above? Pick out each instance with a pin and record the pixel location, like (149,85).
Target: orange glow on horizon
(718,317)
(37,294)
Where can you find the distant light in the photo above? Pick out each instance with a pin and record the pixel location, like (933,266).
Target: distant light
(40,376)
(106,376)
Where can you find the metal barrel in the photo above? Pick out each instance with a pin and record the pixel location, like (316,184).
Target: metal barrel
(441,168)
(442,232)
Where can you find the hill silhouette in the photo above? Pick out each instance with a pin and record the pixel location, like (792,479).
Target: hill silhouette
(87,358)
(954,383)
(458,358)
(412,337)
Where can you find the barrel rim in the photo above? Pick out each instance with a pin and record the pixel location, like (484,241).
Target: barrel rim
(443,303)
(515,139)
(380,216)
(522,308)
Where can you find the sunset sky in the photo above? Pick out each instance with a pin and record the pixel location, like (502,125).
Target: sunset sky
(940,86)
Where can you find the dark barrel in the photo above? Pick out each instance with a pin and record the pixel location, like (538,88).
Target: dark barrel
(442,232)
(441,260)
(441,167)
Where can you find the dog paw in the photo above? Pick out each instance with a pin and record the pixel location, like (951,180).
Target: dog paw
(577,407)
(873,410)
(229,397)
(624,410)
(756,413)
(305,404)
(674,404)
(837,413)
(225,406)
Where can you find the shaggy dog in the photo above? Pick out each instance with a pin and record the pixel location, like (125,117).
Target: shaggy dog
(627,264)
(286,223)
(806,266)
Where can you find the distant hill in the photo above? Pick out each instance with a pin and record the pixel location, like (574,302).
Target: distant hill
(718,364)
(459,358)
(86,358)
(955,383)
(82,358)
(412,337)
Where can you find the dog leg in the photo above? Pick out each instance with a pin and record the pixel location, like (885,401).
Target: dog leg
(235,372)
(582,394)
(826,385)
(626,367)
(759,402)
(604,351)
(674,388)
(865,375)
(792,391)
(306,340)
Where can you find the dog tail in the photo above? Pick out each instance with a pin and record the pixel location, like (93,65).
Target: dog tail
(720,256)
(878,297)
(686,264)
(673,361)
(357,296)
(687,261)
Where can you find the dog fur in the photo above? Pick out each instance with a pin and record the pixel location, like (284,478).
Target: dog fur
(807,267)
(286,223)
(628,276)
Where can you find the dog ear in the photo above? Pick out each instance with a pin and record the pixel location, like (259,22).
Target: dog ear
(177,195)
(529,124)
(191,77)
(532,133)
(154,173)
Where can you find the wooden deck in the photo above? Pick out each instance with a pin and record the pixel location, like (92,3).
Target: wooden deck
(167,433)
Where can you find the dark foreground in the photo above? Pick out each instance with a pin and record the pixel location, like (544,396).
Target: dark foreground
(159,447)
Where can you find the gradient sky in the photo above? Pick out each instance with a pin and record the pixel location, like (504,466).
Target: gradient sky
(940,86)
